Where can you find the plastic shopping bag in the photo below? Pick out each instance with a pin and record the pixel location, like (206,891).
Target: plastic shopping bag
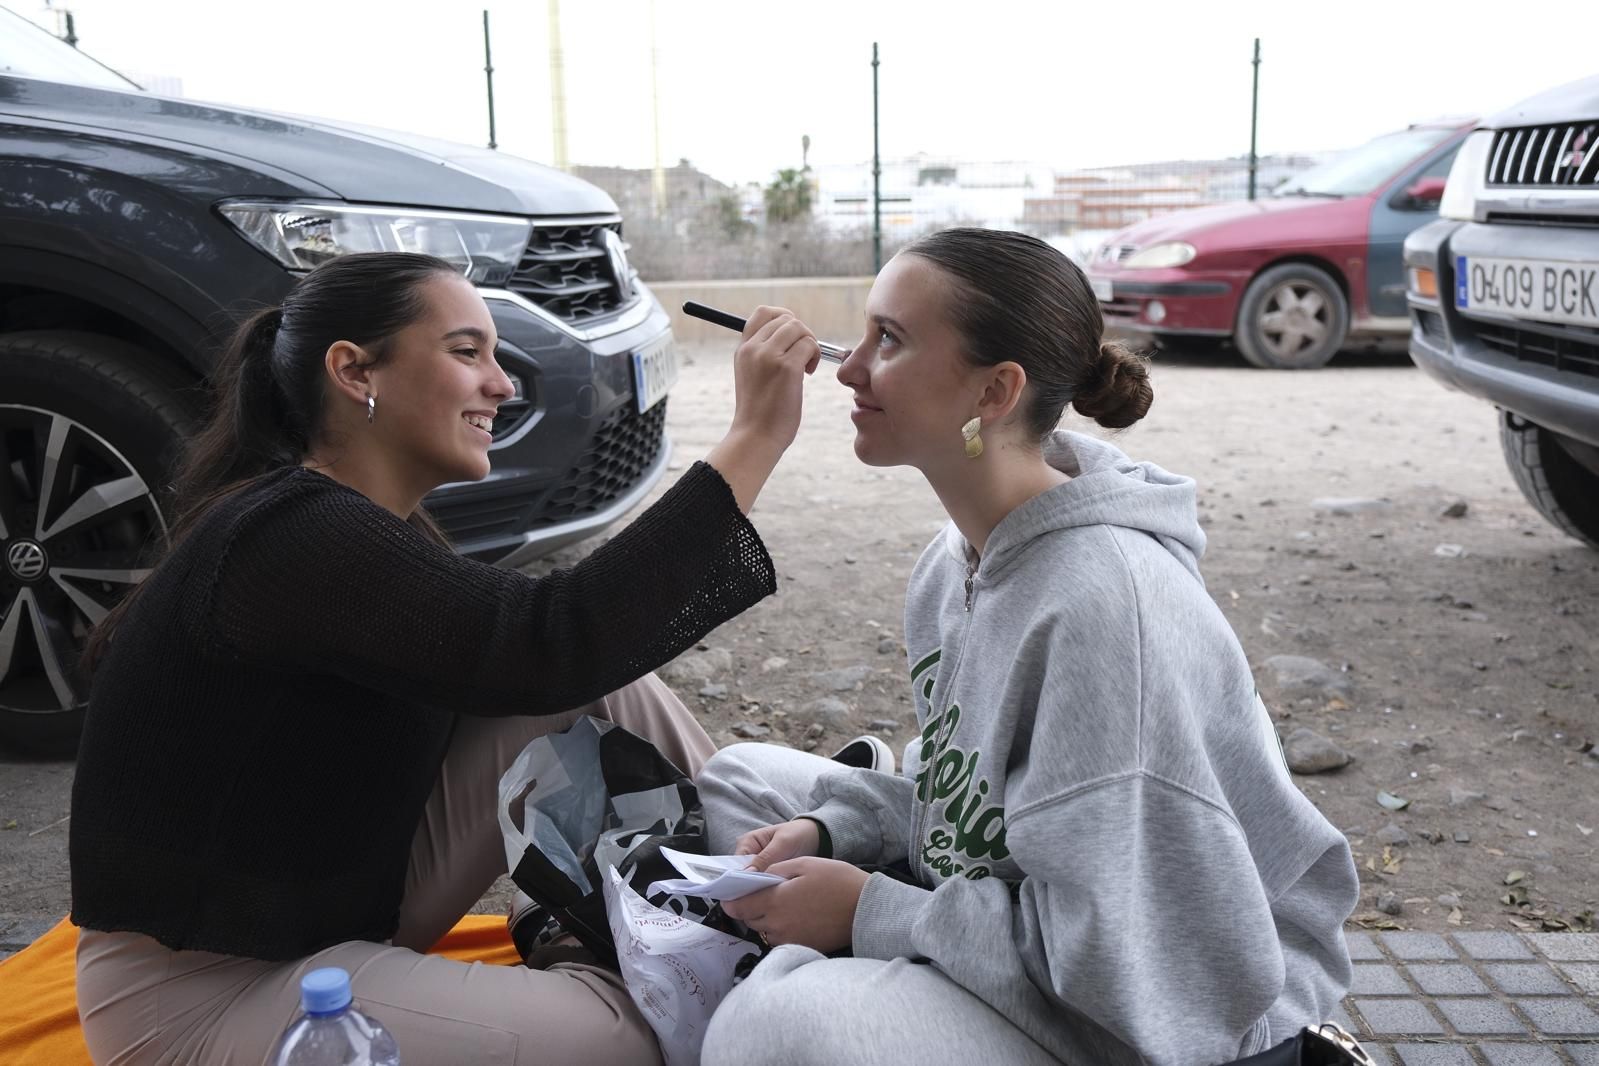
(590,798)
(677,970)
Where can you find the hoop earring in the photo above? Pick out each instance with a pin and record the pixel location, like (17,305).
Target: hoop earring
(974,442)
(371,408)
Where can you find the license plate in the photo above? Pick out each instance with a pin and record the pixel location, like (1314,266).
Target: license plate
(654,372)
(1548,290)
(1104,291)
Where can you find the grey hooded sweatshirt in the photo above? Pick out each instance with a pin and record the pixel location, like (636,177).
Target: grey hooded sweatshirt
(1110,851)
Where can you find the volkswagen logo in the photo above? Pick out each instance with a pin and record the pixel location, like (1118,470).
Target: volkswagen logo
(27,560)
(616,255)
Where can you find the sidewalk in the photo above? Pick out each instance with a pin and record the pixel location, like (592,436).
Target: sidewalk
(1419,999)
(1504,999)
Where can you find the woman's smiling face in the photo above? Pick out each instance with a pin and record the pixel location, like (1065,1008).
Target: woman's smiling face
(913,387)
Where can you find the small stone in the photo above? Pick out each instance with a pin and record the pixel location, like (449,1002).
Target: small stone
(827,712)
(1462,837)
(1431,836)
(776,662)
(814,730)
(1454,510)
(1448,899)
(1299,675)
(698,666)
(883,725)
(1349,505)
(1389,903)
(1394,836)
(1308,752)
(751,731)
(847,679)
(887,646)
(1460,797)
(714,692)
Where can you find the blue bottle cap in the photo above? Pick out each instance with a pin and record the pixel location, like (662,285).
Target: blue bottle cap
(325,991)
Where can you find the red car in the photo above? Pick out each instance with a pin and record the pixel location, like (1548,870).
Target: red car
(1295,276)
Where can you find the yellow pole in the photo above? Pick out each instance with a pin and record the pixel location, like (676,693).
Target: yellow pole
(557,86)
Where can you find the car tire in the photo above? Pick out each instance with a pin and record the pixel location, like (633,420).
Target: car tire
(1293,317)
(90,427)
(1559,487)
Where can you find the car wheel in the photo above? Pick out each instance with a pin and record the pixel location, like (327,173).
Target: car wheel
(1546,469)
(87,436)
(1293,317)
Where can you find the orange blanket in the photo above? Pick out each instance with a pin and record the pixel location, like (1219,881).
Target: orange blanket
(39,1003)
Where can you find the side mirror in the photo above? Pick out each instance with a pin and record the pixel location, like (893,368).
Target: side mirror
(1426,192)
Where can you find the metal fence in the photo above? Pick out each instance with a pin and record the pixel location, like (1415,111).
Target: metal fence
(683,224)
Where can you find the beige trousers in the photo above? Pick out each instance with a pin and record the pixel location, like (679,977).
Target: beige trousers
(142,1003)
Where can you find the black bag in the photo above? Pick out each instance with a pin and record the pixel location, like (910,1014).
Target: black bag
(1320,1045)
(593,796)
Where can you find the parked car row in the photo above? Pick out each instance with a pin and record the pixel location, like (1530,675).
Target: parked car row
(134,230)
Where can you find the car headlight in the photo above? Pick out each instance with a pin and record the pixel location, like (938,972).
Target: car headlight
(1466,177)
(1165,254)
(301,236)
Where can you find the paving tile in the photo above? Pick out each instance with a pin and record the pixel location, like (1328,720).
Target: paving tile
(1567,947)
(1361,947)
(20,930)
(1560,1017)
(1526,979)
(1340,1017)
(1520,1055)
(1584,974)
(1494,946)
(1378,979)
(1446,979)
(1417,946)
(1478,1016)
(1382,1056)
(6,953)
(1401,1016)
(1583,1054)
(1434,1055)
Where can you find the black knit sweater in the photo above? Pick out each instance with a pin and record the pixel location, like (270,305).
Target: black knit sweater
(270,718)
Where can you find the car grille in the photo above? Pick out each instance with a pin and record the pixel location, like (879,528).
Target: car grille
(565,270)
(621,451)
(1432,325)
(1570,354)
(1562,154)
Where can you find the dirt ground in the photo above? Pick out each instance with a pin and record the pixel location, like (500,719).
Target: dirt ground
(1459,653)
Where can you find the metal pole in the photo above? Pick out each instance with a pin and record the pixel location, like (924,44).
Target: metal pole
(72,31)
(1254,121)
(488,72)
(557,85)
(658,175)
(877,178)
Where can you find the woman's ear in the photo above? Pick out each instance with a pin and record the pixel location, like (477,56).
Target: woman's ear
(349,371)
(1002,392)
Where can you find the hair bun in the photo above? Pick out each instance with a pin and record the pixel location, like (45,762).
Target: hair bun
(1118,392)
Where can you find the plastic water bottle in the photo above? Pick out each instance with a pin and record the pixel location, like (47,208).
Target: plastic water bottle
(331,1032)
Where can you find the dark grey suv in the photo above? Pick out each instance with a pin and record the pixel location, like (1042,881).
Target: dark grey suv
(134,230)
(1504,294)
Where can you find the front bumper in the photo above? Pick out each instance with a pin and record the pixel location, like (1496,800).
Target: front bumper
(582,457)
(1178,301)
(1546,373)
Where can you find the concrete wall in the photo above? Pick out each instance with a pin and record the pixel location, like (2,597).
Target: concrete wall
(834,307)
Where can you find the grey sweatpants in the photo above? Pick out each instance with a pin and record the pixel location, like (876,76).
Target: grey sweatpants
(800,1007)
(142,1003)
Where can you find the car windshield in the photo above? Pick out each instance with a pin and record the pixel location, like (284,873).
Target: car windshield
(28,50)
(1360,171)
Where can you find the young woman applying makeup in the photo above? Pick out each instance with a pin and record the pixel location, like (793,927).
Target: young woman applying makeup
(297,722)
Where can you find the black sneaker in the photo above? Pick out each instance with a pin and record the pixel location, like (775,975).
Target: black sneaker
(867,753)
(531,926)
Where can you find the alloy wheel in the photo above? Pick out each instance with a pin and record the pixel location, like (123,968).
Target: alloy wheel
(1294,318)
(77,522)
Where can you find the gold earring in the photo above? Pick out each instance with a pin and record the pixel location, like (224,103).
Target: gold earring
(974,443)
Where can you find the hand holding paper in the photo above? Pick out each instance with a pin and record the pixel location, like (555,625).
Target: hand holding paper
(718,877)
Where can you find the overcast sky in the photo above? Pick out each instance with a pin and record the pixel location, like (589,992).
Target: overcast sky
(1065,83)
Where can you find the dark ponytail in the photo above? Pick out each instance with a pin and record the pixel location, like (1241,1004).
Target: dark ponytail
(268,387)
(1019,300)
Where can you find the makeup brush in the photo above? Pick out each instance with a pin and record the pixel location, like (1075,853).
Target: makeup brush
(831,352)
